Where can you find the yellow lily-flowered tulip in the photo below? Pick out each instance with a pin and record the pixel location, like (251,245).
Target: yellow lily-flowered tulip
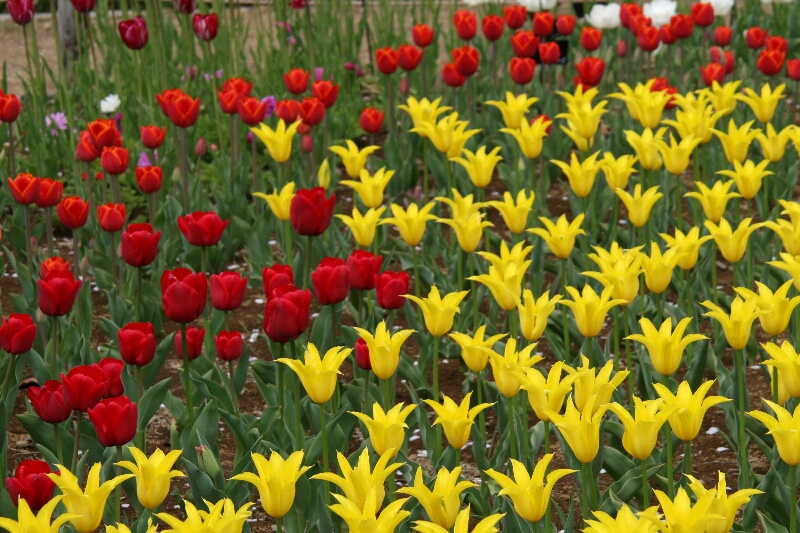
(773,145)
(658,267)
(560,237)
(518,255)
(530,137)
(732,244)
(275,480)
(695,118)
(279,202)
(533,313)
(515,214)
(589,383)
(366,520)
(277,141)
(723,97)
(456,419)
(546,394)
(581,429)
(318,375)
(639,205)
(646,147)
(748,176)
(664,345)
(581,175)
(362,484)
(764,104)
(792,210)
(713,200)
(354,159)
(460,205)
(387,430)
(513,108)
(777,305)
(370,188)
(688,245)
(676,155)
(468,229)
(479,165)
(506,366)
(643,104)
(641,429)
(475,350)
(790,264)
(788,232)
(619,272)
(688,419)
(85,506)
(624,522)
(448,135)
(737,141)
(122,528)
(618,170)
(324,174)
(422,111)
(739,323)
(505,283)
(363,226)
(222,517)
(29,522)
(581,143)
(461,525)
(410,223)
(443,502)
(680,515)
(152,474)
(784,428)
(384,348)
(581,116)
(787,361)
(530,494)
(438,312)
(589,309)
(724,504)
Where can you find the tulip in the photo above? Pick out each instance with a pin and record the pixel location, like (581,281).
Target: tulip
(296,80)
(325,91)
(364,267)
(363,226)
(641,429)
(422,35)
(456,419)
(617,171)
(646,147)
(386,429)
(251,110)
(331,281)
(777,305)
(581,429)
(581,116)
(479,165)
(227,290)
(493,26)
(73,212)
(202,228)
(590,71)
(312,111)
(28,521)
(17,334)
(318,375)
(221,516)
(408,57)
(287,313)
(31,485)
(152,475)
(410,223)
(111,217)
(639,205)
(57,293)
(688,419)
(732,244)
(738,324)
(546,394)
(310,212)
(475,350)
(618,270)
(688,246)
(371,121)
(737,141)
(468,229)
(85,150)
(279,202)
(793,69)
(54,264)
(112,374)
(466,60)
(134,32)
(386,59)
(48,402)
(712,73)
(354,159)
(543,23)
(384,349)
(466,24)
(442,504)
(675,156)
(515,16)
(139,244)
(137,343)
(748,176)
(703,14)
(667,35)
(549,53)
(763,106)
(625,520)
(205,26)
(114,421)
(722,35)
(50,192)
(591,38)
(277,141)
(713,200)
(590,383)
(504,281)
(438,312)
(361,351)
(664,345)
(183,294)
(645,103)
(773,144)
(770,62)
(287,110)
(149,179)
(589,309)
(506,367)
(524,44)
(784,429)
(229,345)
(371,188)
(514,214)
(194,343)
(788,233)
(451,76)
(560,237)
(390,288)
(723,504)
(276,481)
(448,135)
(679,514)
(183,111)
(530,136)
(85,508)
(786,362)
(581,175)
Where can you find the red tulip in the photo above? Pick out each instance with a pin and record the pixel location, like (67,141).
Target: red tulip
(115,160)
(111,217)
(57,293)
(202,228)
(466,59)
(240,85)
(205,26)
(640,21)
(648,38)
(591,38)
(229,345)
(515,16)
(590,71)
(276,276)
(115,421)
(390,288)
(184,110)
(54,264)
(422,35)
(544,118)
(711,73)
(194,342)
(165,99)
(522,69)
(134,33)
(153,136)
(466,23)
(228,98)
(730,63)
(149,179)
(627,12)
(666,34)
(73,212)
(24,188)
(776,42)
(287,110)
(770,62)
(565,24)
(296,80)
(104,133)
(661,84)
(139,244)
(451,76)
(793,69)
(48,402)
(524,43)
(86,151)
(549,52)
(183,294)
(9,107)
(83,387)
(17,334)
(363,267)
(137,343)
(331,281)
(287,313)
(112,370)
(310,212)
(543,23)
(30,482)
(21,11)
(312,111)
(387,60)
(493,26)
(227,290)
(326,92)
(251,111)
(184,7)
(50,192)
(754,37)
(408,57)
(703,14)
(722,35)
(361,352)
(371,120)
(83,6)
(682,25)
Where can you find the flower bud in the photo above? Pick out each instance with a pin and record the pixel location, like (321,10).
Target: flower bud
(622,48)
(306,144)
(207,462)
(174,435)
(404,86)
(324,174)
(176,175)
(200,147)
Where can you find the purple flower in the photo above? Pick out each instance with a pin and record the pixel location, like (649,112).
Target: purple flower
(318,73)
(219,74)
(292,40)
(118,120)
(271,104)
(207,77)
(144,161)
(249,136)
(350,65)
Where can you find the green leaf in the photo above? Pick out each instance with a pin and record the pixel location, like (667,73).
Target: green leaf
(151,401)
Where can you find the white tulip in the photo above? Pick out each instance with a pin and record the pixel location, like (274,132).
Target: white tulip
(660,11)
(110,103)
(604,17)
(722,7)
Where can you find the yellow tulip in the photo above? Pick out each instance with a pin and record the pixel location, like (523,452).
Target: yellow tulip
(581,429)
(695,118)
(581,143)
(384,348)
(370,188)
(788,232)
(792,210)
(29,522)
(222,517)
(790,264)
(560,237)
(646,147)
(533,313)
(279,202)
(786,360)
(122,528)
(624,522)
(723,504)
(643,104)
(676,155)
(422,111)
(688,245)
(318,375)
(152,474)
(505,283)
(456,419)
(530,494)
(446,134)
(387,430)
(589,383)
(732,244)
(277,141)
(618,170)
(461,524)
(777,305)
(680,515)
(688,419)
(460,206)
(475,350)
(589,309)
(362,485)
(518,254)
(530,137)
(658,267)
(438,312)
(723,97)
(580,99)
(581,175)
(773,145)
(739,323)
(713,200)
(366,520)
(443,502)
(641,429)
(86,507)
(354,159)
(581,116)
(513,108)
(324,174)
(748,176)
(546,394)
(764,104)
(737,141)
(506,366)
(639,205)
(363,226)
(620,274)
(410,223)
(784,428)
(275,480)
(515,214)
(479,165)
(664,345)
(468,229)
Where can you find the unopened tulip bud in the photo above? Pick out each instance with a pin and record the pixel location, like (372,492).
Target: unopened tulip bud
(306,144)
(34,246)
(404,86)
(40,317)
(622,48)
(324,174)
(84,265)
(350,66)
(200,147)
(176,175)
(208,463)
(249,137)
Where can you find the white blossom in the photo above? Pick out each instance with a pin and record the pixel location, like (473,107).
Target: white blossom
(110,103)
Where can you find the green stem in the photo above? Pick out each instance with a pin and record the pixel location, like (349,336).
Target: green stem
(141,437)
(416,272)
(28,256)
(793,499)
(436,341)
(234,395)
(325,467)
(279,378)
(668,441)
(59,451)
(307,264)
(687,460)
(388,401)
(186,377)
(645,487)
(9,375)
(298,429)
(511,428)
(333,325)
(76,447)
(424,174)
(138,290)
(547,517)
(628,363)
(564,322)
(585,492)
(279,524)
(184,162)
(744,476)
(118,488)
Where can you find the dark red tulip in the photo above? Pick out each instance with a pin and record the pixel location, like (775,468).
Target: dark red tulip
(361,352)
(682,25)
(137,343)
(310,212)
(183,294)
(50,192)
(296,80)
(48,402)
(466,59)
(194,342)
(422,35)
(408,57)
(153,136)
(21,11)
(139,244)
(73,212)
(54,264)
(276,276)
(711,73)
(205,26)
(776,42)
(202,228)
(493,26)
(149,179)
(640,21)
(622,48)
(666,35)
(184,110)
(111,217)
(590,71)
(524,43)
(549,52)
(371,120)
(134,33)
(112,370)
(83,387)
(287,313)
(627,12)
(591,38)
(115,160)
(466,23)
(229,345)
(754,37)
(703,14)
(287,110)
(565,24)
(543,23)
(312,111)
(326,92)
(9,107)
(793,69)
(115,421)
(24,188)
(227,290)
(451,76)
(390,287)
(522,69)
(30,482)
(17,334)
(83,6)
(722,35)
(331,281)
(363,267)
(648,38)
(770,62)
(387,60)
(86,151)
(515,16)
(184,7)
